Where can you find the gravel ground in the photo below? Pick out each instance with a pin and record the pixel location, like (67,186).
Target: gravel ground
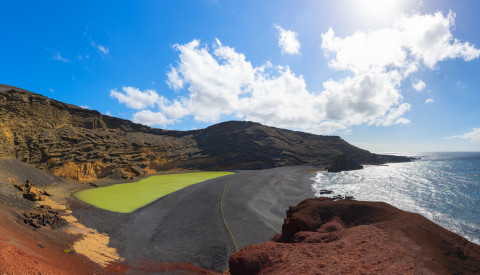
(187,226)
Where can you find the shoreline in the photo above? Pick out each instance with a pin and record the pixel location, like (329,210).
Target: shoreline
(401,185)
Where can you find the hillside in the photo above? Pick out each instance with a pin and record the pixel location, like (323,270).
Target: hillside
(82,144)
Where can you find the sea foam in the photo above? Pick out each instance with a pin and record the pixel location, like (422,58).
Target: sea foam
(443,187)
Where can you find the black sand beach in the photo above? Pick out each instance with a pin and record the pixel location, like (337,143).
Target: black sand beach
(187,226)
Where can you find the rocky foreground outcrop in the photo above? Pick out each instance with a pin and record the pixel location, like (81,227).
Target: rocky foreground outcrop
(320,236)
(82,144)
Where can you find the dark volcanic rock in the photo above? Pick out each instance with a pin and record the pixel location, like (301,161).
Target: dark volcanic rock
(325,191)
(43,216)
(82,144)
(320,236)
(343,163)
(31,192)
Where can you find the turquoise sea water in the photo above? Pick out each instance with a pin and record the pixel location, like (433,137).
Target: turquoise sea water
(443,187)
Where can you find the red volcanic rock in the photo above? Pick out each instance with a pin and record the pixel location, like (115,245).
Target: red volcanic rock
(321,236)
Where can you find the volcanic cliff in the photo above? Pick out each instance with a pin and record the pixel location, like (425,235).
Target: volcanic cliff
(82,144)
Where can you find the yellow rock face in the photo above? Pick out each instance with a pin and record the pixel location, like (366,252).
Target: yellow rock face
(83,171)
(9,135)
(7,140)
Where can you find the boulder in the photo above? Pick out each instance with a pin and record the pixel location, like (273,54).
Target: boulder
(31,192)
(337,197)
(34,194)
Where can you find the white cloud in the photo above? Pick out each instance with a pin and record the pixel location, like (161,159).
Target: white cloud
(419,86)
(414,40)
(429,39)
(385,58)
(402,121)
(287,40)
(60,58)
(136,99)
(150,118)
(108,113)
(473,136)
(101,48)
(429,100)
(84,107)
(364,98)
(372,51)
(222,83)
(175,82)
(51,90)
(394,116)
(217,82)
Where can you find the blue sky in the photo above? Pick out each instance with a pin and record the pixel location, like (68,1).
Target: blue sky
(387,76)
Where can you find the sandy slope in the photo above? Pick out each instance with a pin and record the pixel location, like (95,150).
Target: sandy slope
(24,250)
(21,251)
(13,169)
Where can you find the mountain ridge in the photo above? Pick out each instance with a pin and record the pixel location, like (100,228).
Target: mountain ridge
(83,144)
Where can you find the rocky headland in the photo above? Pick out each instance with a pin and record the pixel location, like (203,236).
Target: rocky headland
(322,236)
(83,144)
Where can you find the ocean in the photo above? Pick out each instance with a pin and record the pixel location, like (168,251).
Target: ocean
(443,187)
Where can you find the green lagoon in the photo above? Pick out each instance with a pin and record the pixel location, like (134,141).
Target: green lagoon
(128,197)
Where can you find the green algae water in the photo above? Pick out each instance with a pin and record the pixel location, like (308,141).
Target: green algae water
(128,197)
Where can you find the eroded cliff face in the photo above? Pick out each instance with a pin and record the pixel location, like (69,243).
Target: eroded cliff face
(82,144)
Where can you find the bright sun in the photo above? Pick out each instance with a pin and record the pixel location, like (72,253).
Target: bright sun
(379,10)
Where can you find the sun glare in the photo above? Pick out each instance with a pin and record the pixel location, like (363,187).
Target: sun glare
(379,11)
